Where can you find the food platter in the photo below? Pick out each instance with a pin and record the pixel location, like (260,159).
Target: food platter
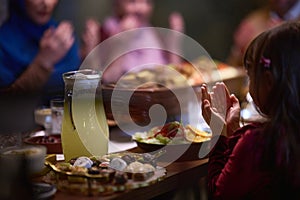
(164,86)
(142,99)
(108,181)
(180,142)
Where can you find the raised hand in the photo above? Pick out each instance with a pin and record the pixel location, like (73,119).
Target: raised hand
(91,37)
(233,115)
(220,110)
(55,44)
(176,22)
(206,104)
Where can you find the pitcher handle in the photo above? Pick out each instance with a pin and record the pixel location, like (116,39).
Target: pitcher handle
(69,96)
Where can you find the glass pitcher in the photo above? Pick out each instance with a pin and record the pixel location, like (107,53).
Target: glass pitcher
(84,129)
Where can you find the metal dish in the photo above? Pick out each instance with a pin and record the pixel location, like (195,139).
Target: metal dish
(95,184)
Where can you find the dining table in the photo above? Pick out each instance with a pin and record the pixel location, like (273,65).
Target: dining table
(185,176)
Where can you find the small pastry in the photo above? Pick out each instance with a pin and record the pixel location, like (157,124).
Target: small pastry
(83,162)
(128,159)
(118,164)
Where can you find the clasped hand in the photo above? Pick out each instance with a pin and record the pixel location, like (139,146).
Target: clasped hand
(220,110)
(55,44)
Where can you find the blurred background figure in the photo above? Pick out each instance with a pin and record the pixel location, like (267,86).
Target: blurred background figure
(267,17)
(35,51)
(128,15)
(273,14)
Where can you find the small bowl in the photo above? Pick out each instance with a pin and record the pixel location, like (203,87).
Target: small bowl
(51,142)
(40,115)
(30,157)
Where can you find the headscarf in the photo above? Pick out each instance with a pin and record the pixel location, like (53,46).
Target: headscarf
(19,44)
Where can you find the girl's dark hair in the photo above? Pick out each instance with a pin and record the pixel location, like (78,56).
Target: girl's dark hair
(280,47)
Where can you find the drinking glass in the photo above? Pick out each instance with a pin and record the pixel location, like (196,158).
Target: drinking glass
(57,111)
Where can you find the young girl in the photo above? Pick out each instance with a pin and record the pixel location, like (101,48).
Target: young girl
(259,160)
(129,15)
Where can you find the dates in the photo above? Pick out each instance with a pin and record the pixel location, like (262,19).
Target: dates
(48,140)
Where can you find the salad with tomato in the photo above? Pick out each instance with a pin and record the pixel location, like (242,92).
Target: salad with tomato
(172,133)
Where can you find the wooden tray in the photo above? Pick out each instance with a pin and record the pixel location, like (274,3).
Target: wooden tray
(93,185)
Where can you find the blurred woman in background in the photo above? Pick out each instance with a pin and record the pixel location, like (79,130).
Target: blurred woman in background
(35,51)
(276,12)
(130,15)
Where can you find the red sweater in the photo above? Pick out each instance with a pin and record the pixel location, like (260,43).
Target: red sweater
(233,172)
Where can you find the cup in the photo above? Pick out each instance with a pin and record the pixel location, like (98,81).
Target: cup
(57,111)
(41,114)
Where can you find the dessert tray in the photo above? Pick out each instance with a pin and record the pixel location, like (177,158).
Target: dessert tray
(105,175)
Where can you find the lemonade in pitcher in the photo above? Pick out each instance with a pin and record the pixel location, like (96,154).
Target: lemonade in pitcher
(84,130)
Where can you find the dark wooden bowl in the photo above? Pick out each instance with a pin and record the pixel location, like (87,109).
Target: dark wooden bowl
(142,99)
